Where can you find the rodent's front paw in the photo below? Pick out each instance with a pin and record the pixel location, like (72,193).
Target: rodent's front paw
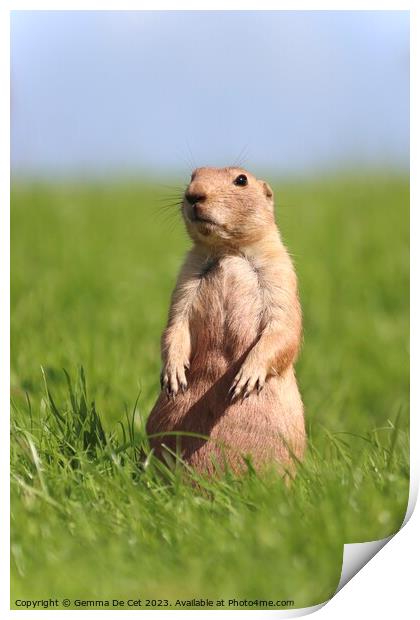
(249,378)
(173,379)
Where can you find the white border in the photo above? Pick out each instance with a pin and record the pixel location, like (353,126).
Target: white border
(393,563)
(217,5)
(5,297)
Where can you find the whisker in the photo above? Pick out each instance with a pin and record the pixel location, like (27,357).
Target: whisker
(187,162)
(242,157)
(179,188)
(174,204)
(165,217)
(170,201)
(165,210)
(194,165)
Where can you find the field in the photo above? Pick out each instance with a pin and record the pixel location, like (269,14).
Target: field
(93,266)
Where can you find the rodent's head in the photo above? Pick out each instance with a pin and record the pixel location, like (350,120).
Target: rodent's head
(227,206)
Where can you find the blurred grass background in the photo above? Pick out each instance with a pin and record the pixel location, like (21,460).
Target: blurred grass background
(93,266)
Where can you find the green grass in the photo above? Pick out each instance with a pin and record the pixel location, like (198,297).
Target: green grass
(92,271)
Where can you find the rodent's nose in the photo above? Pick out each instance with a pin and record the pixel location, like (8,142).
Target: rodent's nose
(194,197)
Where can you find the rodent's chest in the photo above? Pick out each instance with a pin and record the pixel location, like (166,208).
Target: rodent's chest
(228,306)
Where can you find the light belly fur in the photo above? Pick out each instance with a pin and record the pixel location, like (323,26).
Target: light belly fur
(225,323)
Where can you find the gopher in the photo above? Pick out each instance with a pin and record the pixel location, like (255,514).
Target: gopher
(228,388)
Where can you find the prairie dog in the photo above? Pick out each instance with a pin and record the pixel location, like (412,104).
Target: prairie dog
(233,334)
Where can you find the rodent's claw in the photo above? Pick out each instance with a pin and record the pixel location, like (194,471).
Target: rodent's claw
(166,386)
(172,380)
(239,386)
(245,382)
(234,391)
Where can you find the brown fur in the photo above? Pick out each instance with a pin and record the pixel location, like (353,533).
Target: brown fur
(233,334)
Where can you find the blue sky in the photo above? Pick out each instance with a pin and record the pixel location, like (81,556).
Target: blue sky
(290,91)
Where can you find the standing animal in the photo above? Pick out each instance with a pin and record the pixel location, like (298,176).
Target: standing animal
(233,334)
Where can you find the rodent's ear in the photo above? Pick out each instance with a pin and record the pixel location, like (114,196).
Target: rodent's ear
(267,189)
(268,192)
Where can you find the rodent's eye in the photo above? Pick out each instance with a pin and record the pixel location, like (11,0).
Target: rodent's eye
(241,180)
